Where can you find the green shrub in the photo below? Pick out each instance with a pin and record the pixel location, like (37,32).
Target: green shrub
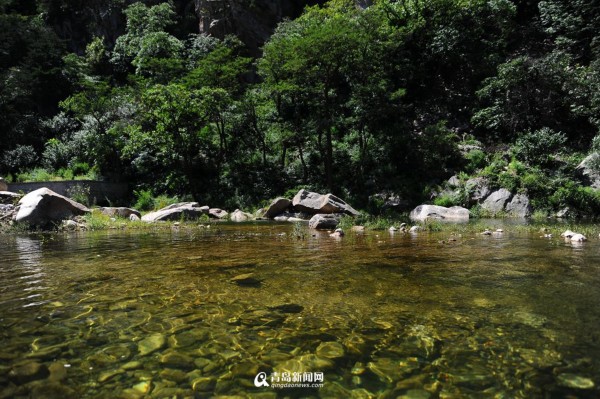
(571,194)
(537,148)
(475,160)
(446,200)
(163,201)
(81,168)
(80,193)
(35,175)
(144,200)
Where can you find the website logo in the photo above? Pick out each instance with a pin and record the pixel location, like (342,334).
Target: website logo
(261,380)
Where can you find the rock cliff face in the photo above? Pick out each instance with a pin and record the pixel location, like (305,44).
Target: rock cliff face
(253,21)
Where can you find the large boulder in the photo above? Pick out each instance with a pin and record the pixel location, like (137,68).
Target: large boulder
(496,201)
(120,212)
(519,206)
(477,188)
(217,213)
(183,210)
(44,206)
(239,216)
(325,221)
(277,207)
(588,173)
(455,213)
(314,203)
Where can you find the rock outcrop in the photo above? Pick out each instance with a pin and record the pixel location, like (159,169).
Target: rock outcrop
(43,206)
(496,201)
(518,206)
(120,212)
(240,216)
(6,197)
(325,221)
(217,213)
(589,175)
(252,21)
(314,203)
(425,212)
(182,210)
(277,207)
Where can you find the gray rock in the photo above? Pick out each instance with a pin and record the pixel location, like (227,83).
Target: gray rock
(565,213)
(217,213)
(184,210)
(453,182)
(478,189)
(467,148)
(455,213)
(277,207)
(3,184)
(6,197)
(43,206)
(239,216)
(315,203)
(415,229)
(292,217)
(519,206)
(121,212)
(496,201)
(134,218)
(325,221)
(590,175)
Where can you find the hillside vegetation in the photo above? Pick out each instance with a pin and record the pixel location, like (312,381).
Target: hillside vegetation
(389,100)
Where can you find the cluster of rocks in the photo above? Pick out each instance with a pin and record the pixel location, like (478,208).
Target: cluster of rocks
(43,207)
(184,211)
(494,202)
(323,211)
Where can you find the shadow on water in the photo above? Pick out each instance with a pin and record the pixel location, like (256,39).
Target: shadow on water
(197,313)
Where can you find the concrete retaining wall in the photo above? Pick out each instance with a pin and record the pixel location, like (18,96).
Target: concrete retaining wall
(101,193)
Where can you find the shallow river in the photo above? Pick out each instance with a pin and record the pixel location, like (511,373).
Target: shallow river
(195,313)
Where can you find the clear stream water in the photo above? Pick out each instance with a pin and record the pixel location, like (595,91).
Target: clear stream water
(174,314)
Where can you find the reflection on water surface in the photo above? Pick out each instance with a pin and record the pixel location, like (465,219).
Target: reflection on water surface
(200,312)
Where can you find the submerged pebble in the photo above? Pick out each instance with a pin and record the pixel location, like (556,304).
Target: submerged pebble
(151,344)
(574,381)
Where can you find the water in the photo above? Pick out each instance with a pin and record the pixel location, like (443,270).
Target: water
(160,314)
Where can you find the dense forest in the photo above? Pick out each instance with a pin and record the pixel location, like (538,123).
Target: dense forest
(371,101)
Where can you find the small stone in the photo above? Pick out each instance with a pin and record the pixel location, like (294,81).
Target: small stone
(247,279)
(486,233)
(134,218)
(134,365)
(58,372)
(151,344)
(337,233)
(575,381)
(108,374)
(30,371)
(578,238)
(177,360)
(415,229)
(173,375)
(392,229)
(415,394)
(142,387)
(204,384)
(330,350)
